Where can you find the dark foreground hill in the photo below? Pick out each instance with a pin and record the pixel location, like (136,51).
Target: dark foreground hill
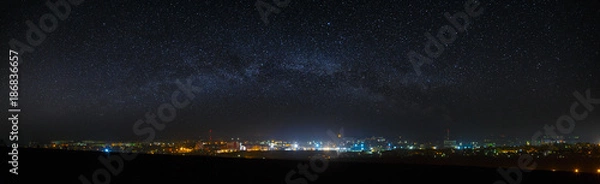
(60,166)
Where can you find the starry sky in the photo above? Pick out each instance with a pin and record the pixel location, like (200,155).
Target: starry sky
(316,66)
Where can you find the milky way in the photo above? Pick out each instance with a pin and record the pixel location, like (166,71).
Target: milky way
(317,65)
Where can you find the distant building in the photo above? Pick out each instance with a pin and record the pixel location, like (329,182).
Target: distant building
(559,139)
(487,143)
(449,143)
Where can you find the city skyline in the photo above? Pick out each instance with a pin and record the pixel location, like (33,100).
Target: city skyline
(502,139)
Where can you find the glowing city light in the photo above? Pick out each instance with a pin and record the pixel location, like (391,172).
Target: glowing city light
(576,170)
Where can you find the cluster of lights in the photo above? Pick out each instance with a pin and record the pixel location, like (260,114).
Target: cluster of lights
(597,171)
(577,171)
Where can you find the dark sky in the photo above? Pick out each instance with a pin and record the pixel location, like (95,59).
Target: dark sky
(317,66)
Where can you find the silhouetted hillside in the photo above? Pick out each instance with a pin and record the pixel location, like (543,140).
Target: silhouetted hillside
(59,166)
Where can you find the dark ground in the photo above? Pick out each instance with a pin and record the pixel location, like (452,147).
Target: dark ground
(59,166)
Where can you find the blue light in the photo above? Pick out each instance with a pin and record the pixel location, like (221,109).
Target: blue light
(106,150)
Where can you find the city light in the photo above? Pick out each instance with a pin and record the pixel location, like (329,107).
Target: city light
(365,145)
(598,171)
(576,170)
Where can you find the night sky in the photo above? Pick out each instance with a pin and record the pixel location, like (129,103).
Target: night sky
(317,66)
